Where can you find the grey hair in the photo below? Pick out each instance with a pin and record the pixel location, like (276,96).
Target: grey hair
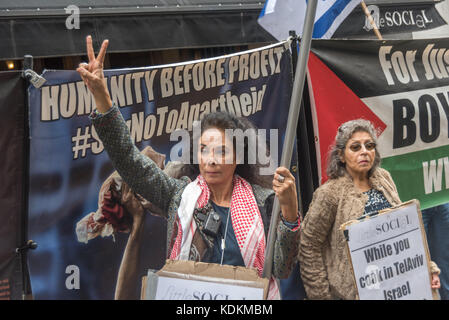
(335,167)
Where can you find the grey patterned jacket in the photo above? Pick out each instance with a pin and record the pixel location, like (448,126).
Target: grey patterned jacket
(148,180)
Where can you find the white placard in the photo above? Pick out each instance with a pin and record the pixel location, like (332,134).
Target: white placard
(389,256)
(185,289)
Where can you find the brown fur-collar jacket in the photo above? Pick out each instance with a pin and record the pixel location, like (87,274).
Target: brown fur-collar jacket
(325,266)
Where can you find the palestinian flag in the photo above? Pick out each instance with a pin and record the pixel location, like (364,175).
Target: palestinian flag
(402,87)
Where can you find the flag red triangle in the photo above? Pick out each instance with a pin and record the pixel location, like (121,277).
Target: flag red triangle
(335,103)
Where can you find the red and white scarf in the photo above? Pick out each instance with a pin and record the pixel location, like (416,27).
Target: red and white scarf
(246,221)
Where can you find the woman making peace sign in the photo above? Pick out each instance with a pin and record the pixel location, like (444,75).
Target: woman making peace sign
(222,188)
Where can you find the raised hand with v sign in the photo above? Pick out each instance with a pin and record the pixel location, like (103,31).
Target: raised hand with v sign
(93,77)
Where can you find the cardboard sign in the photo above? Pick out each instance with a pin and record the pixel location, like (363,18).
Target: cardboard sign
(189,280)
(389,255)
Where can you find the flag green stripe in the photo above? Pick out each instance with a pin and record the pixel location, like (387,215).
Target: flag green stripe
(408,174)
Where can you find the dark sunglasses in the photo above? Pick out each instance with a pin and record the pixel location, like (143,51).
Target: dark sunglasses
(357,146)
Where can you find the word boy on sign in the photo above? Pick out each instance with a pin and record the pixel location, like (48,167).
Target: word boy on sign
(389,255)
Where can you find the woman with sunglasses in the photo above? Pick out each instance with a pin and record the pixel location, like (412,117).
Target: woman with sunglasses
(357,186)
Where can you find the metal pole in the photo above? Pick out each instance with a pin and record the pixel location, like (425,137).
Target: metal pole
(293,115)
(25,244)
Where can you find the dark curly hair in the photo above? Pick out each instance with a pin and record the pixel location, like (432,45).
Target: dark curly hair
(223,121)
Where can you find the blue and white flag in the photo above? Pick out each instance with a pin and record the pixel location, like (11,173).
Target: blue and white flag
(279,17)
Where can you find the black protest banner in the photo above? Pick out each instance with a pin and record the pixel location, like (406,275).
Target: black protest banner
(405,20)
(68,164)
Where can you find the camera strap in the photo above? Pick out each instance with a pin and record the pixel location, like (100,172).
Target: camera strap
(223,240)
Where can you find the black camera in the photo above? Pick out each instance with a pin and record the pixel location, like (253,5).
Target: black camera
(211,222)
